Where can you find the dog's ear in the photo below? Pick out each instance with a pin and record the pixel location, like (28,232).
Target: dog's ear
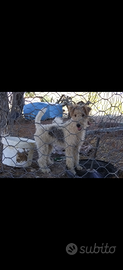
(71,109)
(86,109)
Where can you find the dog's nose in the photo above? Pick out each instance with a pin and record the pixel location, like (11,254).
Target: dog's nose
(78,125)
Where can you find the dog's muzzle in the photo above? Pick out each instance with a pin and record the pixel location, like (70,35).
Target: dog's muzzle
(79,127)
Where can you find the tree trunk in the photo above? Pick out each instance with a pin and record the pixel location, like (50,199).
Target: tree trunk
(17,105)
(4,110)
(17,102)
(8,116)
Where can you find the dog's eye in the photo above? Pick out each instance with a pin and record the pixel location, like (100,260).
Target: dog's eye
(75,115)
(83,115)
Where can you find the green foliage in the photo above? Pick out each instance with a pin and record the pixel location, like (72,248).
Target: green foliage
(30,94)
(116,107)
(46,99)
(93,97)
(104,106)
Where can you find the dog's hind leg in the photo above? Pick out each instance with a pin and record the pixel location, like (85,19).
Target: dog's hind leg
(42,161)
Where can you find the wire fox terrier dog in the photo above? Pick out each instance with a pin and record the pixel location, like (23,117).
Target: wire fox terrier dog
(69,135)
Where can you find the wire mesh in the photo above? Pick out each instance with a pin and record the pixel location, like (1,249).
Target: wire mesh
(19,149)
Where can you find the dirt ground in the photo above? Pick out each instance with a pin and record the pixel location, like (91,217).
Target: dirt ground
(110,150)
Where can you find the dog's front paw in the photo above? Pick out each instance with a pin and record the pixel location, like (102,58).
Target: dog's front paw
(47,170)
(79,168)
(73,171)
(50,162)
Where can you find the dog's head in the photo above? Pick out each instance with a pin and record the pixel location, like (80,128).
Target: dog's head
(79,114)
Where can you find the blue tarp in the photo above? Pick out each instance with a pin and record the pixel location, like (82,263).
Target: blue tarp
(53,110)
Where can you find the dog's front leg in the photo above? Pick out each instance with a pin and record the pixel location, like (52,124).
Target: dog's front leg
(49,161)
(76,158)
(70,159)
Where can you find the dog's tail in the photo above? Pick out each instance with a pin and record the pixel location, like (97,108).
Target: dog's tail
(39,116)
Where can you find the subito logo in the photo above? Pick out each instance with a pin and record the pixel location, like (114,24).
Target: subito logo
(71,249)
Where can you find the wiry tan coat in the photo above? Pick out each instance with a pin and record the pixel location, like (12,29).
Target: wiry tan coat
(69,135)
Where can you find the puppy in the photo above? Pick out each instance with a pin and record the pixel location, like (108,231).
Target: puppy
(69,135)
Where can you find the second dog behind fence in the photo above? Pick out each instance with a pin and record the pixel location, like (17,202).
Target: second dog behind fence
(69,135)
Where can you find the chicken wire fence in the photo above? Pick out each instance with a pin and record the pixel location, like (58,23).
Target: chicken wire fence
(19,155)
